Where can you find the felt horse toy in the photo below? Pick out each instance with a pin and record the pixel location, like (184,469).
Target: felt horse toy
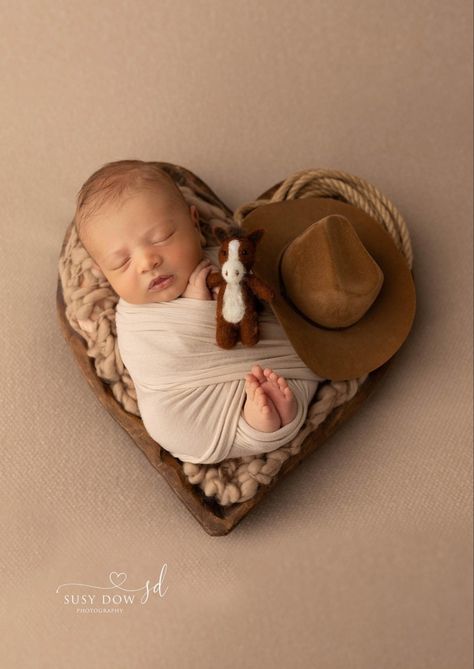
(237,305)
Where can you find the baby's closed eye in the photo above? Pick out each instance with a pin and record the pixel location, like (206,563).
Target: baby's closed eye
(122,264)
(164,239)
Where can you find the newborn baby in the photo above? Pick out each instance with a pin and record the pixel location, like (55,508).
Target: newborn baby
(201,403)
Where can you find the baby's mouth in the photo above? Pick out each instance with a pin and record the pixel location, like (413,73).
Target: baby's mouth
(159,280)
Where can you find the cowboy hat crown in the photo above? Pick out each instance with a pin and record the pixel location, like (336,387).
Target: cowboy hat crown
(329,275)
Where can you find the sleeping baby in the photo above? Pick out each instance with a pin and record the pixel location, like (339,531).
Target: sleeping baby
(201,403)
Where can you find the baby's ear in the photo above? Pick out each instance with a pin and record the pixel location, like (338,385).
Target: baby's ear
(194,216)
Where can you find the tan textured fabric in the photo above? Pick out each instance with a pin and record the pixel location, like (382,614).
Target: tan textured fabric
(362,556)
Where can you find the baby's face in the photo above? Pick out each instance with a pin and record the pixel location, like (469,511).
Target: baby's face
(147,246)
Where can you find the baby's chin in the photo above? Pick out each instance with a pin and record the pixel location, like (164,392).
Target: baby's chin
(152,296)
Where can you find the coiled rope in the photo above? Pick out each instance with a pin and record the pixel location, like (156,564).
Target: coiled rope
(347,188)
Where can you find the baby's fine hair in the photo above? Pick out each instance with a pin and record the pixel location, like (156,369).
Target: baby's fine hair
(107,185)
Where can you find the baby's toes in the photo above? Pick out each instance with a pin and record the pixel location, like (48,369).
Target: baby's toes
(258,373)
(273,378)
(282,383)
(288,393)
(268,374)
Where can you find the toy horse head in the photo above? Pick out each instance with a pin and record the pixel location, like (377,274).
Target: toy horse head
(237,255)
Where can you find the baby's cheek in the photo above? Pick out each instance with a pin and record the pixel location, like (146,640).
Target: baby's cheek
(112,282)
(123,286)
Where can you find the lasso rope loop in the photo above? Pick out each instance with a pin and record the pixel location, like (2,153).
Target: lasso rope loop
(348,188)
(90,309)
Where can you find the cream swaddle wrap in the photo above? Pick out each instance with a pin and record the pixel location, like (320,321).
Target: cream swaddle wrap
(190,392)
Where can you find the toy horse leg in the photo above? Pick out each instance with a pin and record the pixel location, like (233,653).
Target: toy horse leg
(249,332)
(227,334)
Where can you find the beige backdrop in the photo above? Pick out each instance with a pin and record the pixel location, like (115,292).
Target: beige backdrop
(361,558)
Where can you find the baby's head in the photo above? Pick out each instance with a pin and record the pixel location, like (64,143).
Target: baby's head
(134,222)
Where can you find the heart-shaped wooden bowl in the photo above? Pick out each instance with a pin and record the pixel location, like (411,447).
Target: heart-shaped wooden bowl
(215,519)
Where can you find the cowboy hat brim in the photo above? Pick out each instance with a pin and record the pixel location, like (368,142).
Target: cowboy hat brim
(345,353)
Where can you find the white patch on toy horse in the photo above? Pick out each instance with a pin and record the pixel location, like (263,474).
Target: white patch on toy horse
(233,308)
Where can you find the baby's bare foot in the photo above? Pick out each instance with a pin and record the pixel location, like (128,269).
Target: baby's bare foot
(277,389)
(259,410)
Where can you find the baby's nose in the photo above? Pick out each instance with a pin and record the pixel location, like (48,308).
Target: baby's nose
(149,261)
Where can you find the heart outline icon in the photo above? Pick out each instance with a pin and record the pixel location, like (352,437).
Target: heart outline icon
(117,579)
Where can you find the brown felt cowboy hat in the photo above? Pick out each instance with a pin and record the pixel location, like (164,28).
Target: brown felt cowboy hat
(344,293)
